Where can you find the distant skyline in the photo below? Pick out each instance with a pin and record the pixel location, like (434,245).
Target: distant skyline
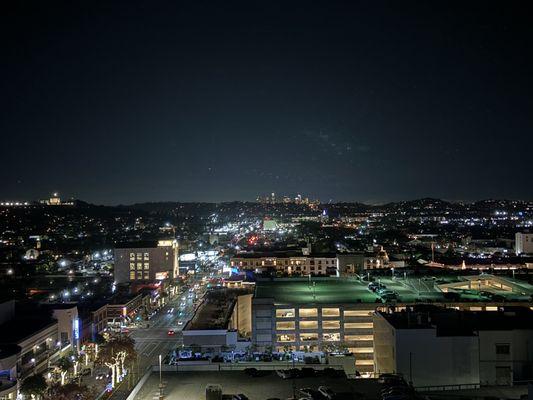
(116,102)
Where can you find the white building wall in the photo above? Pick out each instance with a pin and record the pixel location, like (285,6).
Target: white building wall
(524,243)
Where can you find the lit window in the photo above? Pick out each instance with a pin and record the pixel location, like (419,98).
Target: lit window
(146,256)
(146,266)
(330,312)
(139,265)
(364,362)
(132,256)
(285,313)
(358,325)
(308,324)
(357,313)
(146,275)
(284,325)
(361,350)
(139,256)
(357,338)
(331,324)
(308,336)
(285,338)
(132,275)
(132,266)
(331,337)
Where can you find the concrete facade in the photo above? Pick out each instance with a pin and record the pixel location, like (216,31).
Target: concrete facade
(147,263)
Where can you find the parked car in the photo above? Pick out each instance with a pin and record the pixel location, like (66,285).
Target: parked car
(239,397)
(326,392)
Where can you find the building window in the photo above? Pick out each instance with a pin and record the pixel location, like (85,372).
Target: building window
(331,337)
(146,265)
(357,338)
(285,325)
(146,256)
(308,324)
(503,348)
(358,325)
(357,313)
(308,336)
(132,266)
(308,312)
(285,313)
(146,275)
(139,256)
(132,256)
(139,265)
(132,275)
(330,312)
(331,324)
(285,338)
(139,275)
(361,350)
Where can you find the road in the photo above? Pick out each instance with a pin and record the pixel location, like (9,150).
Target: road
(155,340)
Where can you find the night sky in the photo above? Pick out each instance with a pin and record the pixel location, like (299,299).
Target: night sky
(128,101)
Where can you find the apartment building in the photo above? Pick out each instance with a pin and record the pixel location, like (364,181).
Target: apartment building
(146,261)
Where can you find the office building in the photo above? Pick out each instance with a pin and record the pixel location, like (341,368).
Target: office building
(146,261)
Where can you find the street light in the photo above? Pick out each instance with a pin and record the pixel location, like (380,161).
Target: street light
(160,381)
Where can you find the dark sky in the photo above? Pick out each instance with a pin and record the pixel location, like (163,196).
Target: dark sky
(126,101)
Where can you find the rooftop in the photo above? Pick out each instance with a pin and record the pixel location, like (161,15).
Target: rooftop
(451,322)
(333,290)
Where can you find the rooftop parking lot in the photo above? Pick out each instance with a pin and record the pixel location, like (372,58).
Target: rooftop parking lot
(191,385)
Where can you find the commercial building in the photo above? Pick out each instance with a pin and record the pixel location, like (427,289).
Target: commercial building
(465,349)
(287,263)
(524,243)
(9,354)
(308,314)
(146,261)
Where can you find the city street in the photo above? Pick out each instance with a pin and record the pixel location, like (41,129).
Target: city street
(155,340)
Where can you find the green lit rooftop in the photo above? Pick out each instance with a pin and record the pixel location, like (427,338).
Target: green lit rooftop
(352,291)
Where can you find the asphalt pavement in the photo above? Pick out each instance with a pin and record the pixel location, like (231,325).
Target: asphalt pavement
(155,340)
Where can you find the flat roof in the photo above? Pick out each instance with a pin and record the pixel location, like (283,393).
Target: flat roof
(343,290)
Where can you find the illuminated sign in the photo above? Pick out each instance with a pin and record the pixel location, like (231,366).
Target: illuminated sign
(76,328)
(161,275)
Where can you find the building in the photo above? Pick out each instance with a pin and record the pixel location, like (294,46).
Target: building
(337,313)
(524,243)
(410,344)
(287,263)
(147,261)
(9,355)
(464,348)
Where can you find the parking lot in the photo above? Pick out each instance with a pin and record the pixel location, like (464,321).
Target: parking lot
(191,386)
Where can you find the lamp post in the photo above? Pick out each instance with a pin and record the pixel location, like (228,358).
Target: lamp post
(160,381)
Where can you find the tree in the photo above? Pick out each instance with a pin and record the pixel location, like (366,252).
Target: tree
(33,386)
(116,353)
(64,364)
(71,391)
